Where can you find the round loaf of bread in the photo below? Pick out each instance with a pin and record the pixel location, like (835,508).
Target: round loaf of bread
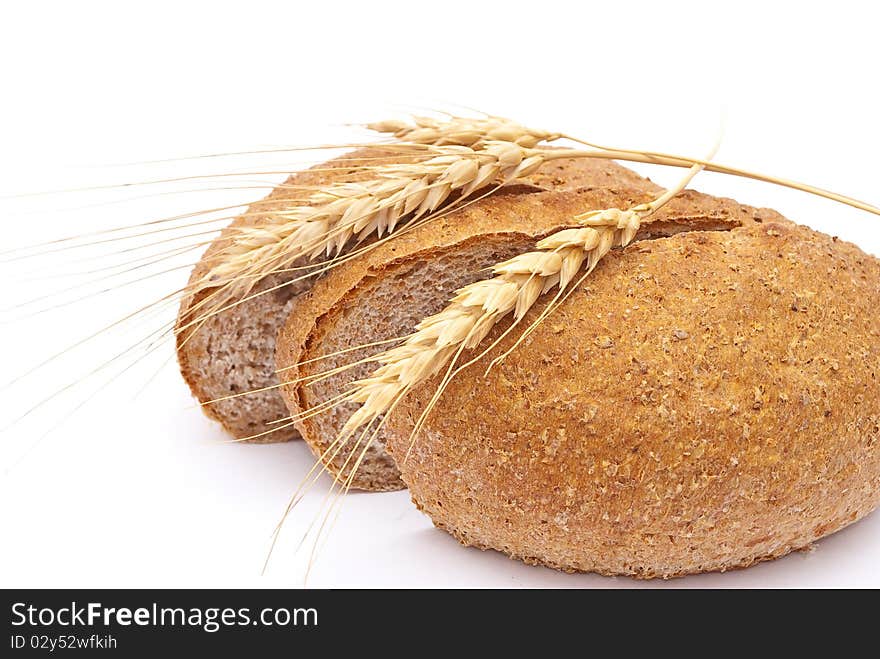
(702,402)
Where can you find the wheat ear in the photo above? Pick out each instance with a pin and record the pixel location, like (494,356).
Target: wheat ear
(343,211)
(462,131)
(477,308)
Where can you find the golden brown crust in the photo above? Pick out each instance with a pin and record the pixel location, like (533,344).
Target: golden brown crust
(319,322)
(704,402)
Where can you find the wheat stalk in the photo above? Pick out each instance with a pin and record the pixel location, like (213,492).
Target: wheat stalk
(477,308)
(340,212)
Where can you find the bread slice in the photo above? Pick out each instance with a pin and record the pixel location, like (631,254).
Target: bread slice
(385,293)
(705,401)
(233,352)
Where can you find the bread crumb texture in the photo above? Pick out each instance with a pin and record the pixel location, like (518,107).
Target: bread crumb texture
(705,401)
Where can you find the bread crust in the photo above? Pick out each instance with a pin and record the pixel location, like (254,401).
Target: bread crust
(318,320)
(234,351)
(705,401)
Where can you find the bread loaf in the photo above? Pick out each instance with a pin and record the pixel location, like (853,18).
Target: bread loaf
(707,399)
(232,352)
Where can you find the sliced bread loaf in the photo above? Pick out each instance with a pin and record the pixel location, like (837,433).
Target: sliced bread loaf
(232,352)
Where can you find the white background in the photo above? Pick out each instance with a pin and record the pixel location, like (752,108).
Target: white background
(137,488)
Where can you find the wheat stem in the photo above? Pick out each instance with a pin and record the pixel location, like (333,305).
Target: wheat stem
(654,158)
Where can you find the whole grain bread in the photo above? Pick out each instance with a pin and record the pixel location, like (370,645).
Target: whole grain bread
(703,402)
(383,294)
(232,352)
